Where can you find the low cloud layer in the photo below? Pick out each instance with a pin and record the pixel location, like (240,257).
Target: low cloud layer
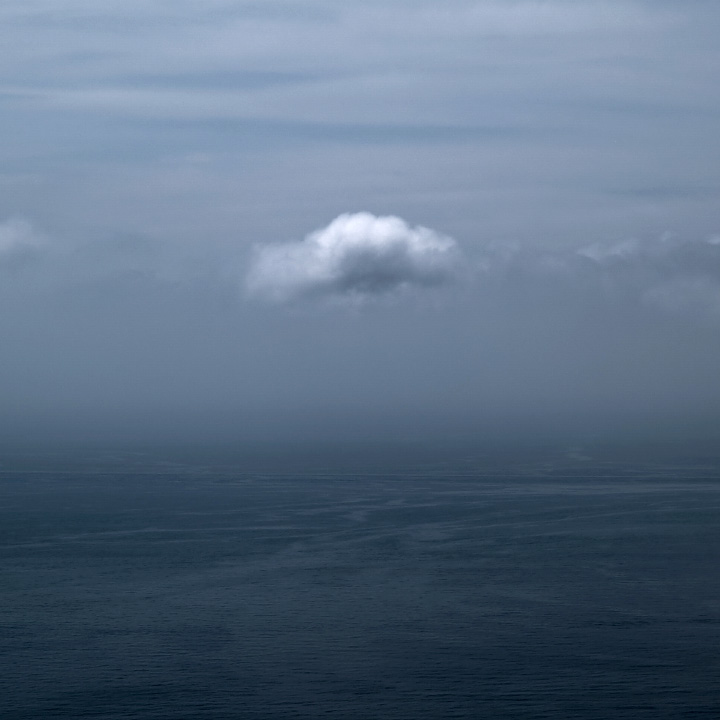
(361,256)
(355,256)
(672,274)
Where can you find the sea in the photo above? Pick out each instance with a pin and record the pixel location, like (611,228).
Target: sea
(553,585)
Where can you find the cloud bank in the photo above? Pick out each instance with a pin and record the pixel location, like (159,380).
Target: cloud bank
(671,274)
(355,256)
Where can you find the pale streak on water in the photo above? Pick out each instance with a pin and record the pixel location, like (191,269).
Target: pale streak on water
(441,595)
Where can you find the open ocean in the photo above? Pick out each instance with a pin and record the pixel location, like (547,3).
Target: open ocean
(576,590)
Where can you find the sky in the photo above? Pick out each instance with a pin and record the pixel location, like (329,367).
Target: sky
(311,220)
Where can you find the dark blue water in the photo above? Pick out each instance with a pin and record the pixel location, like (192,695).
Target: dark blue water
(413,595)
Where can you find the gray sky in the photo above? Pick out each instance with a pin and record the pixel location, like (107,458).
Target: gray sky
(356,219)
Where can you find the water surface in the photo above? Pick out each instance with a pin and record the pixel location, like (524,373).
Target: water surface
(544,593)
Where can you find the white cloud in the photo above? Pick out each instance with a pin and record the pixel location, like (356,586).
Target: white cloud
(356,255)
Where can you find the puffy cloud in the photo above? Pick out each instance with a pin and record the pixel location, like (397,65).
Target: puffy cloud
(356,255)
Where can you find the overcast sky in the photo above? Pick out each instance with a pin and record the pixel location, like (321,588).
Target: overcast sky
(340,219)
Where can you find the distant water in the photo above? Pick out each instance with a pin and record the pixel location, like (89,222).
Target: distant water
(446,594)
